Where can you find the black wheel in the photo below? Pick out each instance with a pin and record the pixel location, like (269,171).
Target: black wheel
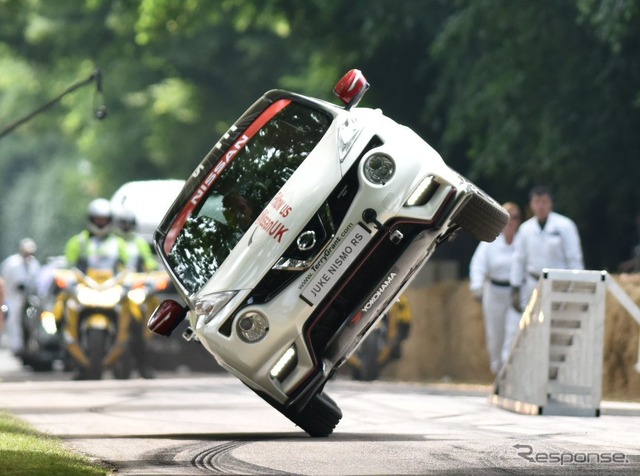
(483,217)
(96,351)
(40,365)
(33,355)
(319,417)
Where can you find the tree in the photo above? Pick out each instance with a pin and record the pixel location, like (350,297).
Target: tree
(168,73)
(510,93)
(545,97)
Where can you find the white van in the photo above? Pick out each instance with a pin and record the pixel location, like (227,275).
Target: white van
(149,200)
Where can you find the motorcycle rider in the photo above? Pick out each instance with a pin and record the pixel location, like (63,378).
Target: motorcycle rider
(95,251)
(19,272)
(141,259)
(97,247)
(138,250)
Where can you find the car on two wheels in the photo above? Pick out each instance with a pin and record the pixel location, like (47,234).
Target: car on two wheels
(298,231)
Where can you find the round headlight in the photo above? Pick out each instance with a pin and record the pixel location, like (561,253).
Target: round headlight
(379,169)
(252,326)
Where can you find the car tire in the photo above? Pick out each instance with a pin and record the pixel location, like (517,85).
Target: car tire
(482,217)
(319,417)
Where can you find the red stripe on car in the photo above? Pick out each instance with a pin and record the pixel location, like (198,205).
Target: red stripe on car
(214,173)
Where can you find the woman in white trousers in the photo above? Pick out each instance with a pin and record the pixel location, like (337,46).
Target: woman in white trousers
(489,273)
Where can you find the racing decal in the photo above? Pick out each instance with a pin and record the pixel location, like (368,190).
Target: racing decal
(225,160)
(217,170)
(325,255)
(333,263)
(386,282)
(273,226)
(280,205)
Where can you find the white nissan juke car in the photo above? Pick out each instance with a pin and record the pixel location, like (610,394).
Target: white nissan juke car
(296,233)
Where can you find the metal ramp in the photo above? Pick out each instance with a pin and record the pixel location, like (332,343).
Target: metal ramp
(555,365)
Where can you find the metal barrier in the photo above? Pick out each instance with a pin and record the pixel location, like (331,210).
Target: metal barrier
(555,365)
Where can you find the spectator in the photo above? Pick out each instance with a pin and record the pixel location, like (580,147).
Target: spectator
(489,274)
(546,240)
(19,272)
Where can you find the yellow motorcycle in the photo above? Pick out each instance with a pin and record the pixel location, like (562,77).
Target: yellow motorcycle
(143,290)
(96,314)
(383,344)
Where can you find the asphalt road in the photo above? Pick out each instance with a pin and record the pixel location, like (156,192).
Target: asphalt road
(213,424)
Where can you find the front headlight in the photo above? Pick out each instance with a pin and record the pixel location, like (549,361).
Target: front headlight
(99,298)
(252,326)
(137,295)
(48,320)
(379,169)
(208,306)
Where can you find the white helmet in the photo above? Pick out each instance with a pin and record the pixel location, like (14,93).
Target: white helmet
(125,220)
(99,217)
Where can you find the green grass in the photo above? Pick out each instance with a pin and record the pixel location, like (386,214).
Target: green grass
(25,451)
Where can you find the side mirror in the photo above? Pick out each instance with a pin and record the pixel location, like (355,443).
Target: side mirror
(351,88)
(167,316)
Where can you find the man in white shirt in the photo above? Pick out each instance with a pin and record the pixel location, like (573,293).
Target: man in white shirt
(546,240)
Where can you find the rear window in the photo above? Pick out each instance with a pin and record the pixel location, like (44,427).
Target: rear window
(244,188)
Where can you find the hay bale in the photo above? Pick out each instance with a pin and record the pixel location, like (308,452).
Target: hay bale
(447,336)
(620,379)
(447,339)
(469,358)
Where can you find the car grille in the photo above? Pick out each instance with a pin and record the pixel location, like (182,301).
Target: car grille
(357,284)
(324,223)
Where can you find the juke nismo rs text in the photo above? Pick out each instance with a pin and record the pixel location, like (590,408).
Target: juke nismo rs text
(296,233)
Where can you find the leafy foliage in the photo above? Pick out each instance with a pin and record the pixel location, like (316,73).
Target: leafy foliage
(511,94)
(546,98)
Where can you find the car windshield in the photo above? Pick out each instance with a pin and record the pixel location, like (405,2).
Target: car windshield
(240,192)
